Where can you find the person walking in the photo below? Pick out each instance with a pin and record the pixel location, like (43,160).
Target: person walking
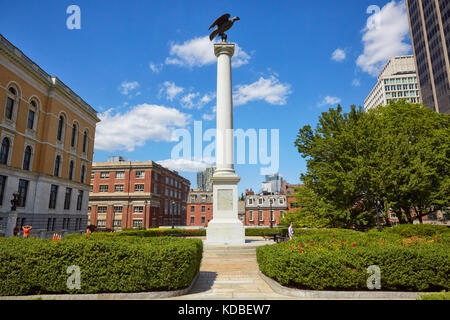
(290,231)
(26,231)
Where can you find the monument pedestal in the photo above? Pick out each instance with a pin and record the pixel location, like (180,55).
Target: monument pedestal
(11,224)
(225,228)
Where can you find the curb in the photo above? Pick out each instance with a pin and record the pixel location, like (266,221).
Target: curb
(109,296)
(335,295)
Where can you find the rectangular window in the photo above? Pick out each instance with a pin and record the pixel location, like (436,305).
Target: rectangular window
(272,217)
(118,188)
(140,174)
(192,219)
(138,209)
(155,189)
(30,120)
(120,174)
(102,209)
(51,222)
(192,209)
(137,223)
(67,198)
(101,223)
(117,223)
(250,215)
(118,209)
(260,216)
(203,209)
(23,190)
(104,175)
(138,188)
(203,219)
(53,195)
(250,201)
(260,201)
(103,188)
(281,214)
(80,199)
(2,188)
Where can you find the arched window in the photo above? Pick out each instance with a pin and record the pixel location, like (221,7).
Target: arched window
(10,102)
(85,137)
(31,114)
(73,141)
(27,158)
(57,165)
(4,151)
(83,173)
(71,170)
(60,128)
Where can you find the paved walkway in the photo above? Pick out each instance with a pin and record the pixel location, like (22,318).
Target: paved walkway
(232,273)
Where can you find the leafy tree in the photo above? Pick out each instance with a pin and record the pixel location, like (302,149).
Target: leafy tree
(393,157)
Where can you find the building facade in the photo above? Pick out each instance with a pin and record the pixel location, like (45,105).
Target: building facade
(273,184)
(47,140)
(204,182)
(290,197)
(200,208)
(127,194)
(397,80)
(264,209)
(429,24)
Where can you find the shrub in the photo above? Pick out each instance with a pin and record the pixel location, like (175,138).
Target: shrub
(254,232)
(421,230)
(435,296)
(315,259)
(107,264)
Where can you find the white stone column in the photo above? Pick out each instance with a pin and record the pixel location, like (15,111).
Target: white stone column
(225,228)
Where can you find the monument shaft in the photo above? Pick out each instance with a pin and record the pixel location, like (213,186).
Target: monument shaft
(225,228)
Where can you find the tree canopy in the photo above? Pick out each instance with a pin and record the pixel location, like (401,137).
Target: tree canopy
(392,157)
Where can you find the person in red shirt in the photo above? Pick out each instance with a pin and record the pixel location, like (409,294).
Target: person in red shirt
(26,231)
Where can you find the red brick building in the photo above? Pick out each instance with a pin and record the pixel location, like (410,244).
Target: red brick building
(262,209)
(290,194)
(199,208)
(127,194)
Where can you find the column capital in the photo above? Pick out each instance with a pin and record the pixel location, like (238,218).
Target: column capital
(224,48)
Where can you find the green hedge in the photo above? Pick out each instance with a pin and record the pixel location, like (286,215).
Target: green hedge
(107,264)
(264,231)
(338,260)
(421,230)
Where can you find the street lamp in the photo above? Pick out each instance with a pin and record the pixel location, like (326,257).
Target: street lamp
(271,213)
(171,211)
(145,214)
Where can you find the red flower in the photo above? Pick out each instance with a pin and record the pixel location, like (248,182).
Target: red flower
(342,241)
(332,235)
(437,239)
(301,245)
(310,243)
(353,244)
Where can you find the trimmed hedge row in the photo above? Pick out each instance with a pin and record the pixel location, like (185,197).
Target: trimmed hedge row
(107,265)
(254,232)
(338,260)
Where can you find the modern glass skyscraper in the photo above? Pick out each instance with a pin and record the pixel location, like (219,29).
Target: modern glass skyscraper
(429,22)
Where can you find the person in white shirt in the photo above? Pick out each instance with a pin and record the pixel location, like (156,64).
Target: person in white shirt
(290,231)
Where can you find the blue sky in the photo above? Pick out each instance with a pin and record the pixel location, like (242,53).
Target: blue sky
(147,68)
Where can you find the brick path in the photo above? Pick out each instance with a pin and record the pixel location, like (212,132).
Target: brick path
(232,273)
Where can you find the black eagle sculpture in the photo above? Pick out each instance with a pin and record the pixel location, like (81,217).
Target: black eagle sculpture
(223,23)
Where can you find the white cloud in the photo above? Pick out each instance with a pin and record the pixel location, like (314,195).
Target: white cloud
(126,131)
(171,90)
(156,68)
(199,52)
(329,100)
(208,116)
(338,55)
(385,39)
(185,165)
(127,87)
(356,82)
(269,90)
(187,100)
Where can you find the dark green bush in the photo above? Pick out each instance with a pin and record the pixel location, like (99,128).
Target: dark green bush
(254,232)
(163,232)
(421,230)
(107,264)
(315,259)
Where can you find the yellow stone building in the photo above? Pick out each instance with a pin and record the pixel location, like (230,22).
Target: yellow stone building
(46,146)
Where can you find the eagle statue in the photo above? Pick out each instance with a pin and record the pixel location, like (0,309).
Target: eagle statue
(223,23)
